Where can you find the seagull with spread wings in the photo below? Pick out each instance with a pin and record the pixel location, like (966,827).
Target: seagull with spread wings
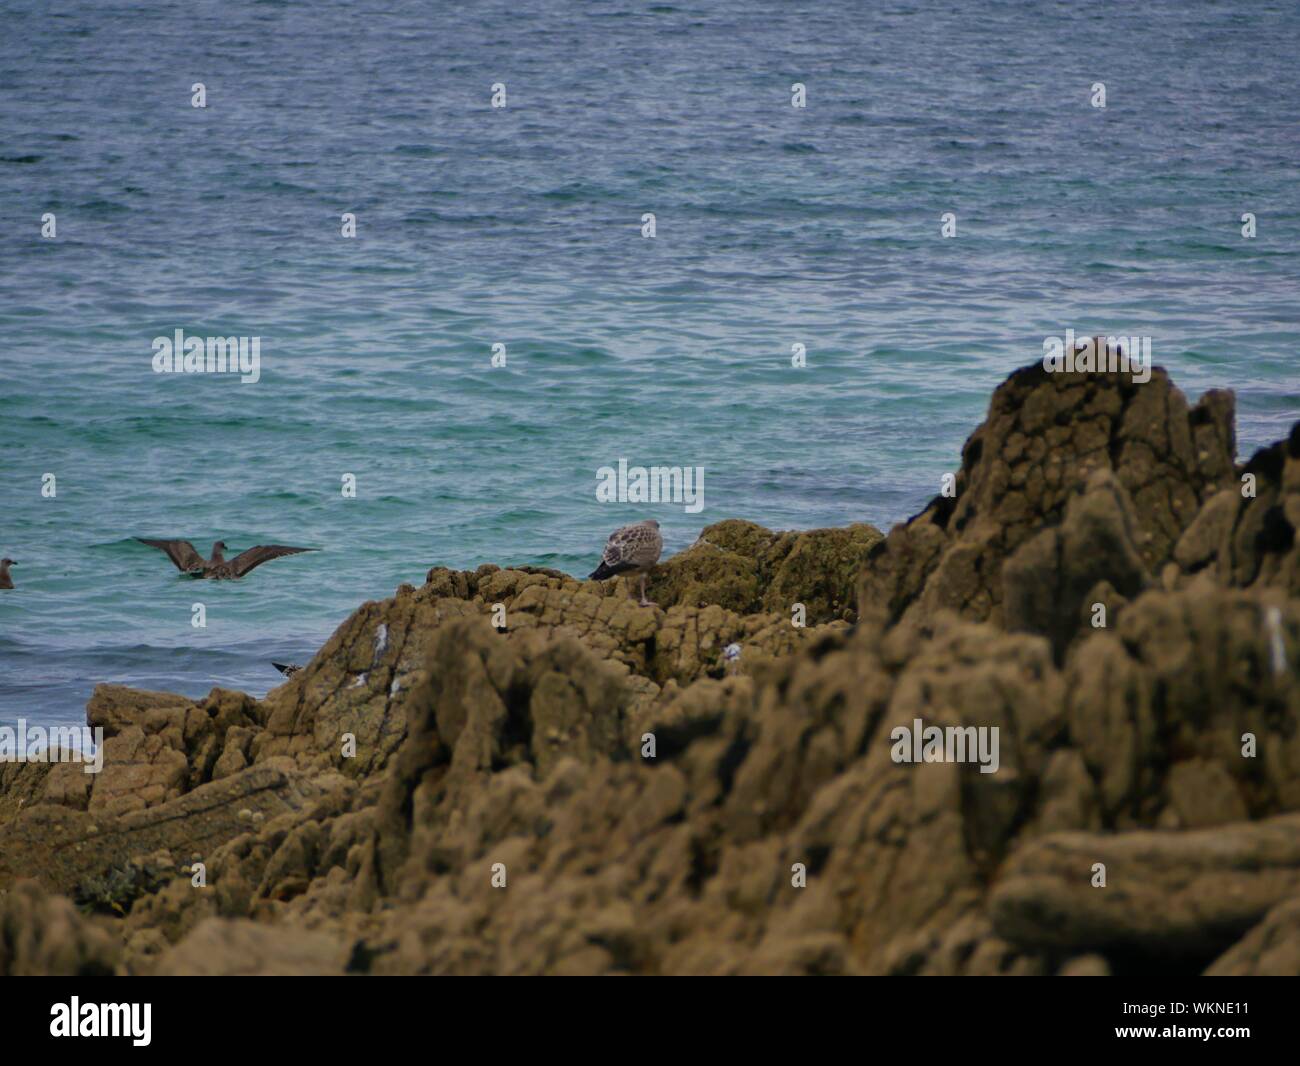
(192,564)
(630,550)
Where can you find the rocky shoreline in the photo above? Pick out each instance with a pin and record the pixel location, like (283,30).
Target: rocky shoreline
(431,794)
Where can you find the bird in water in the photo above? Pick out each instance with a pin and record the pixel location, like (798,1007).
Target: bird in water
(631,550)
(6,582)
(192,564)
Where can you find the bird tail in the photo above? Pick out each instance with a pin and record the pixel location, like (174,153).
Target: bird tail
(604,570)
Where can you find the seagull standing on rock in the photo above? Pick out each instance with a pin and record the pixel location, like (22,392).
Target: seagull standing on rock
(630,550)
(218,568)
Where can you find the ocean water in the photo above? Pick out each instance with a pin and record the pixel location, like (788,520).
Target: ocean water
(521,226)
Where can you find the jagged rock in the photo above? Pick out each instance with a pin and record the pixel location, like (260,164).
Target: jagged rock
(706,574)
(139,772)
(746,569)
(87,855)
(43,936)
(256,873)
(489,703)
(1187,675)
(1245,536)
(116,707)
(916,840)
(1047,581)
(682,644)
(1067,797)
(772,830)
(1171,895)
(157,746)
(1270,949)
(1044,436)
(1203,794)
(820,570)
(1209,533)
(24,783)
(353,686)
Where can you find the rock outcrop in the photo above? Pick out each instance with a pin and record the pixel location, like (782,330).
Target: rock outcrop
(515,771)
(1045,437)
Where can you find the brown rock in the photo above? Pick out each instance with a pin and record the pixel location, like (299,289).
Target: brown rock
(1187,894)
(83,853)
(43,936)
(1049,581)
(221,947)
(1203,794)
(1045,435)
(1270,949)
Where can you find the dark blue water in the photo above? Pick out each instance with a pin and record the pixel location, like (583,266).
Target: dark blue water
(521,226)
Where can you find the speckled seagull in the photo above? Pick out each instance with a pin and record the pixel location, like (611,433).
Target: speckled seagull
(218,568)
(630,550)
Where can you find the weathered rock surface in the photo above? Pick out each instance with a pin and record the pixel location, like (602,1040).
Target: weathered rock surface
(94,857)
(1045,437)
(1054,581)
(747,569)
(1271,949)
(43,935)
(594,787)
(1245,536)
(1167,895)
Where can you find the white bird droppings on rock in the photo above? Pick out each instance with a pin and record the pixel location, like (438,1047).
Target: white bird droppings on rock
(1277,648)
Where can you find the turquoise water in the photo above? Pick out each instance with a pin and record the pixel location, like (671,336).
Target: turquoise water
(522,226)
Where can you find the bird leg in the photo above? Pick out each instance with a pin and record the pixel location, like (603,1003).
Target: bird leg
(644,601)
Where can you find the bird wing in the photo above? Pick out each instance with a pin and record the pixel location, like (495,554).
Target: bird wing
(650,546)
(246,560)
(633,546)
(180,552)
(615,553)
